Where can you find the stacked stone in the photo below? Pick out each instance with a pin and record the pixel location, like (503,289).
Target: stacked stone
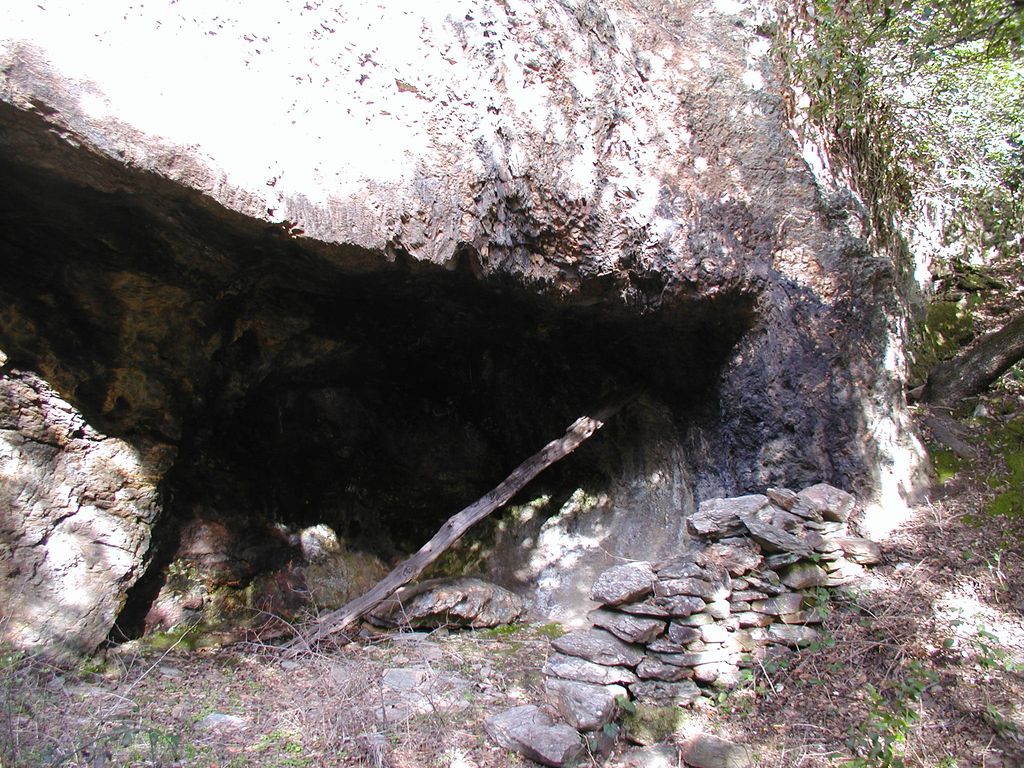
(748,586)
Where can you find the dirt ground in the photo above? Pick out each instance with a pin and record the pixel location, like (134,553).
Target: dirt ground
(923,666)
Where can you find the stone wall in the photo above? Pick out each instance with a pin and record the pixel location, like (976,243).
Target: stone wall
(752,585)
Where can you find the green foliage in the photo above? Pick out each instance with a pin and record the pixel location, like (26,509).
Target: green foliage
(878,741)
(919,96)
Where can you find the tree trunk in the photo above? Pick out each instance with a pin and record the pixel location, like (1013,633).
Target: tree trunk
(342,619)
(973,370)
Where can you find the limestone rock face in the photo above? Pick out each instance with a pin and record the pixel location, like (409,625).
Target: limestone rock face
(76,514)
(352,264)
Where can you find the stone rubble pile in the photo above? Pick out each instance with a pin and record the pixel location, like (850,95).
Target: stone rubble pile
(749,586)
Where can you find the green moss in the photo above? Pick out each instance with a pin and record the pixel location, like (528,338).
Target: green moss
(1010,503)
(946,328)
(945,463)
(551,630)
(1008,441)
(502,630)
(649,725)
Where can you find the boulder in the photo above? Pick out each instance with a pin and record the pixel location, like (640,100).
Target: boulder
(77,508)
(624,583)
(318,542)
(463,601)
(598,646)
(584,706)
(211,245)
(532,733)
(627,627)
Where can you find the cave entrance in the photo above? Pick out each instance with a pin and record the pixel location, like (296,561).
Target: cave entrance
(403,397)
(406,397)
(302,383)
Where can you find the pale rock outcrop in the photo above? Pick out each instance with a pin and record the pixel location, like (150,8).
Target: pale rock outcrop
(76,513)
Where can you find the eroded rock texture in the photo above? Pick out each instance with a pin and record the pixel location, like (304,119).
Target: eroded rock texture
(76,512)
(352,264)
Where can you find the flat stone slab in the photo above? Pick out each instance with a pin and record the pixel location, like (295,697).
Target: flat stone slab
(463,601)
(598,646)
(627,627)
(654,756)
(690,586)
(787,602)
(862,551)
(624,583)
(681,566)
(575,668)
(824,502)
(678,633)
(736,555)
(676,606)
(662,694)
(585,706)
(782,497)
(655,667)
(804,576)
(533,734)
(220,721)
(792,635)
(716,518)
(704,751)
(774,539)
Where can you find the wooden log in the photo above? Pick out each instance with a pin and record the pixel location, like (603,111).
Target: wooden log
(339,621)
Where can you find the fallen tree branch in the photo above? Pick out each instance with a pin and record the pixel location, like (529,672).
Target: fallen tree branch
(344,618)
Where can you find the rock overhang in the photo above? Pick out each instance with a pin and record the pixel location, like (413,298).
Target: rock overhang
(651,225)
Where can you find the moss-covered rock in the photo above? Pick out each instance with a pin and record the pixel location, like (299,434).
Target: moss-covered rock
(647,724)
(947,327)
